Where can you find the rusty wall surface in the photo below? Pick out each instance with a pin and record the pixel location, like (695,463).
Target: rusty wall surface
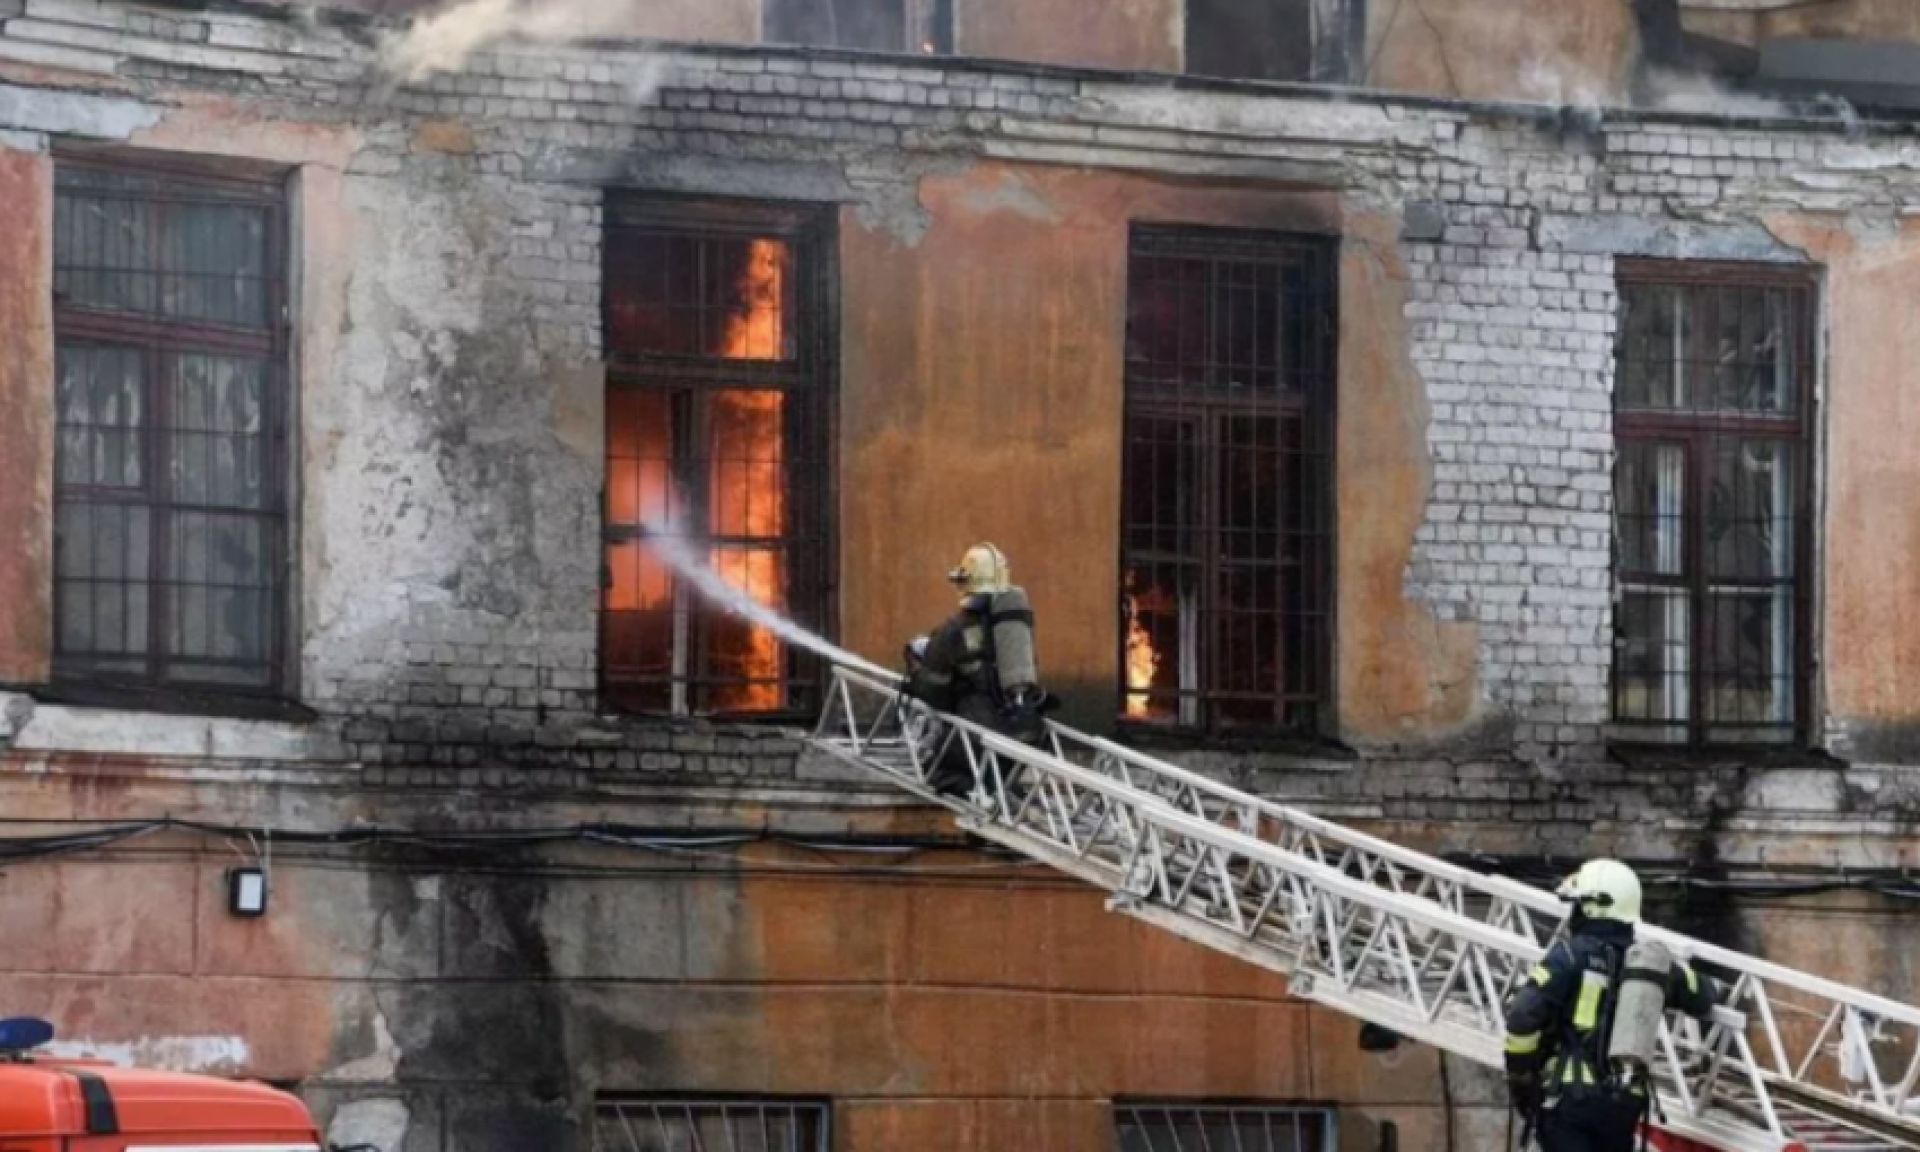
(1871,543)
(1131,35)
(1574,51)
(26,411)
(481,1007)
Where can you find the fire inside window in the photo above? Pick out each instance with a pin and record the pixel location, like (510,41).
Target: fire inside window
(1712,508)
(1227,534)
(716,437)
(668,1125)
(171,408)
(1243,1128)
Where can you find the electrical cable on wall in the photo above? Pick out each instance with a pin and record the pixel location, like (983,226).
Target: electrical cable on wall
(509,847)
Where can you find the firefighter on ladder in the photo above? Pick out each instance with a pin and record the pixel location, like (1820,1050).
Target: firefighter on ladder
(1581,1032)
(980,664)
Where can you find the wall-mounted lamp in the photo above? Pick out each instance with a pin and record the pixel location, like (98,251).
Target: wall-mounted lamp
(247,891)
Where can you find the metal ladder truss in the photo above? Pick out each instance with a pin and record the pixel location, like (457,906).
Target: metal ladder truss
(1389,935)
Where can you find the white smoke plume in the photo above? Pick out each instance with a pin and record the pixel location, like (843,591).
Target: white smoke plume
(689,564)
(443,40)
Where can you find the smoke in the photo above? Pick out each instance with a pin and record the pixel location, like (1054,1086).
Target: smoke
(443,40)
(689,565)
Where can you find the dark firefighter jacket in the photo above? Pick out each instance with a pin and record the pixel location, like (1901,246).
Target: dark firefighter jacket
(1556,1021)
(980,664)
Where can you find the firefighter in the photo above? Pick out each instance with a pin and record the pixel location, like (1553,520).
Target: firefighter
(980,665)
(1561,1023)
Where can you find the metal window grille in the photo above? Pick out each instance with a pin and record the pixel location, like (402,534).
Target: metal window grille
(171,416)
(718,337)
(1222,1128)
(1712,504)
(670,1125)
(1227,537)
(924,26)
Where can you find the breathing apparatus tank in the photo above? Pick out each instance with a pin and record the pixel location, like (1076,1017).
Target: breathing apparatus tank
(1640,1005)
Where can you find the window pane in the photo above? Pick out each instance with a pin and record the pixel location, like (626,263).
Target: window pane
(1649,483)
(1247,644)
(1250,491)
(640,625)
(1750,509)
(1653,661)
(640,456)
(877,25)
(216,260)
(217,446)
(100,395)
(673,295)
(1697,348)
(1167,321)
(746,657)
(103,254)
(144,244)
(221,586)
(102,558)
(1163,470)
(1161,609)
(1250,39)
(1750,635)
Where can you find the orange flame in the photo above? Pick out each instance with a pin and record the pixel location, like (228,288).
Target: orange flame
(1142,661)
(748,493)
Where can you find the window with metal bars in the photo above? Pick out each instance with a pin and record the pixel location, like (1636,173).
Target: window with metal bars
(1713,400)
(705,1125)
(718,336)
(1227,522)
(1222,1128)
(923,26)
(171,397)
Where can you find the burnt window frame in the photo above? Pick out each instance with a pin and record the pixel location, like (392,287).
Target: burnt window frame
(1697,431)
(934,18)
(1147,1114)
(159,340)
(1313,401)
(729,1108)
(811,378)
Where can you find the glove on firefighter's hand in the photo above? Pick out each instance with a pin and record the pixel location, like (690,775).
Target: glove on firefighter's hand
(1525,1093)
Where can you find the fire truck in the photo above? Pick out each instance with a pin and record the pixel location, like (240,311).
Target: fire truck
(50,1104)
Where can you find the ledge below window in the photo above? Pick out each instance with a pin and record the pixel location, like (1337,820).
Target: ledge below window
(1293,744)
(1640,755)
(169,702)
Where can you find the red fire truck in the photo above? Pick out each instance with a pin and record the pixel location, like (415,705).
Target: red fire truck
(58,1105)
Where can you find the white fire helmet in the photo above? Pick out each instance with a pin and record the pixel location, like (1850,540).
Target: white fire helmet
(1604,890)
(983,569)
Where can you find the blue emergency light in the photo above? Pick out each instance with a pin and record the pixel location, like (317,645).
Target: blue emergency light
(23,1034)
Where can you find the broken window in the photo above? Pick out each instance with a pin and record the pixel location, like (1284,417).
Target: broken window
(668,1125)
(171,403)
(1711,504)
(1285,40)
(1174,1127)
(717,450)
(1227,469)
(924,26)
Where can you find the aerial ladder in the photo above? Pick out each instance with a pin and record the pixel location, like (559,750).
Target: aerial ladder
(1789,1062)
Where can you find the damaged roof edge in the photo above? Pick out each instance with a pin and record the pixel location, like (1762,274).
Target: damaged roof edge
(365,27)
